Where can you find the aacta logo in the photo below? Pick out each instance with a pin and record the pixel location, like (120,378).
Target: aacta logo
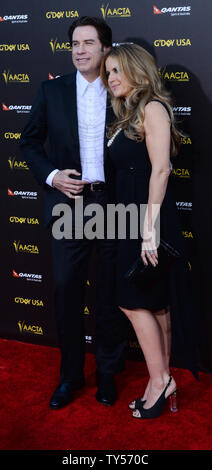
(123,12)
(25,248)
(17,165)
(60,47)
(181,172)
(177,76)
(33,329)
(15,77)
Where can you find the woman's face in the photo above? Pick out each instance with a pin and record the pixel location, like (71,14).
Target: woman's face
(117,80)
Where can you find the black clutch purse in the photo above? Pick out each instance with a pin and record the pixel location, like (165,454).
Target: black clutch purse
(139,272)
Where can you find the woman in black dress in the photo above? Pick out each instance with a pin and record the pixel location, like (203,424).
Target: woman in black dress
(141,140)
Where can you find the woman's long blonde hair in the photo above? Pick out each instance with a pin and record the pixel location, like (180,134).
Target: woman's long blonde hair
(140,69)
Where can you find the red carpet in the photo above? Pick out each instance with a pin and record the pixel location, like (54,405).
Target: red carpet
(29,376)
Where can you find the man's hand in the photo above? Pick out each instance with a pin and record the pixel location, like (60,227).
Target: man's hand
(71,187)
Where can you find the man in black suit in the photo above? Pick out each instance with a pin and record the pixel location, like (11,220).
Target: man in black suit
(72,112)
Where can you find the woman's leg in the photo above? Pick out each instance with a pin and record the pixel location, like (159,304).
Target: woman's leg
(164,320)
(150,338)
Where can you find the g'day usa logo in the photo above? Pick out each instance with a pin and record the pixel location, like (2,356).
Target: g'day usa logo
(173,11)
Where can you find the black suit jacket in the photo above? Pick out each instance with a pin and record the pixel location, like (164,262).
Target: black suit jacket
(54,115)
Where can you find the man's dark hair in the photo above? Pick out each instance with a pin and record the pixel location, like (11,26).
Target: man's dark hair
(104,31)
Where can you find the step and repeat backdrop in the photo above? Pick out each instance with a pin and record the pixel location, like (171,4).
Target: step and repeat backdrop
(34,47)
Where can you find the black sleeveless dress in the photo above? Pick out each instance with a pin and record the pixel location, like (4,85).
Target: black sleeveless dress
(132,169)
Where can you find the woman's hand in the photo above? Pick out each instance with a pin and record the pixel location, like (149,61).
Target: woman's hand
(148,249)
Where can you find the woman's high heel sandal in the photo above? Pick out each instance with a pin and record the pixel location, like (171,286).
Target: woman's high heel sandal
(173,402)
(157,408)
(133,405)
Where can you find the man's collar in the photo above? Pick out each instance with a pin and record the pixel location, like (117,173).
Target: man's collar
(82,84)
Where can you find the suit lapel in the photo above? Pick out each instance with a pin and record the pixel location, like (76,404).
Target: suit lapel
(71,111)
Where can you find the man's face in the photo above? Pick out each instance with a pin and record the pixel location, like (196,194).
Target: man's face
(87,51)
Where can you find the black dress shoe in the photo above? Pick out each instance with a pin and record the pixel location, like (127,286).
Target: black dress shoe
(63,395)
(106,393)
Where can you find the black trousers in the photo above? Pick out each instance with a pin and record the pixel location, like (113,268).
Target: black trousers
(71,259)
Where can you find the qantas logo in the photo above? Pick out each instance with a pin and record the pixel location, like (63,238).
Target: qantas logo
(27,276)
(15,18)
(173,11)
(156,10)
(17,108)
(23,194)
(52,77)
(181,205)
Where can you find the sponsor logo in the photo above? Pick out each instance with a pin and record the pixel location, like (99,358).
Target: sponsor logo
(25,248)
(23,220)
(86,311)
(52,77)
(12,135)
(14,47)
(187,234)
(173,11)
(88,339)
(33,302)
(58,15)
(17,165)
(120,12)
(10,77)
(186,141)
(23,194)
(182,110)
(184,206)
(27,276)
(181,172)
(31,329)
(14,18)
(57,46)
(178,76)
(17,108)
(181,42)
(134,344)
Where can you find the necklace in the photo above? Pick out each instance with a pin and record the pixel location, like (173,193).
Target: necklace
(110,141)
